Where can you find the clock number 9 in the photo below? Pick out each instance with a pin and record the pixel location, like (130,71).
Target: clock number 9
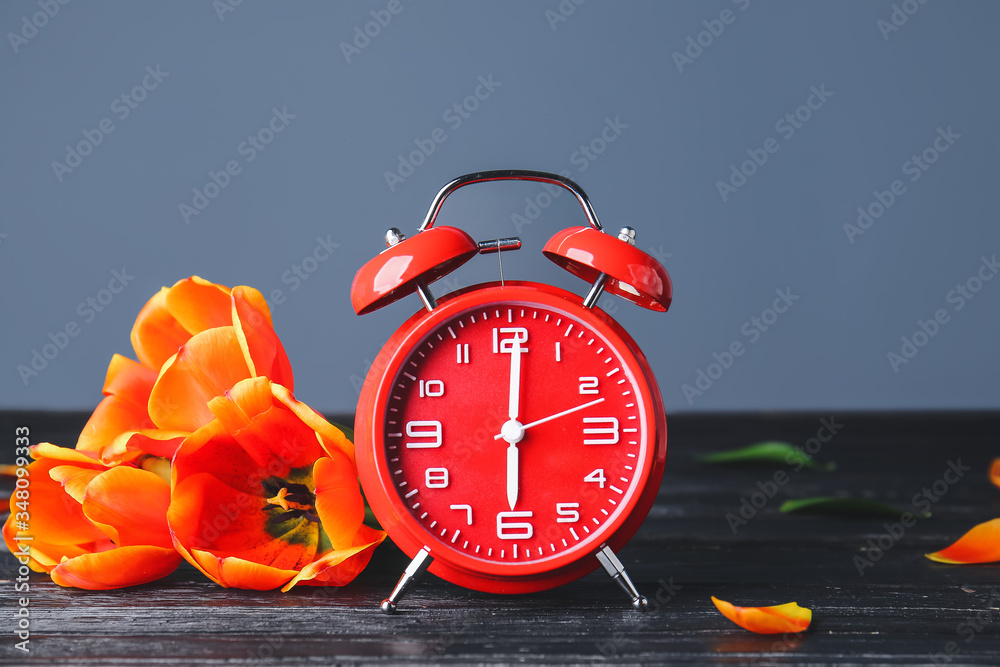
(427,431)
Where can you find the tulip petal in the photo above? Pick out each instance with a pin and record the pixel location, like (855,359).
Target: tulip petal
(340,567)
(42,556)
(74,479)
(56,517)
(339,503)
(48,451)
(263,350)
(134,503)
(198,304)
(211,448)
(115,568)
(156,334)
(788,617)
(205,367)
(131,445)
(126,391)
(233,572)
(207,515)
(980,545)
(271,435)
(331,438)
(995,472)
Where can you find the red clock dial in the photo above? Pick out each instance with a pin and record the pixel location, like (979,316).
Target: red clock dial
(513,433)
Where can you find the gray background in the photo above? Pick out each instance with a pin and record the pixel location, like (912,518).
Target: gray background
(323,176)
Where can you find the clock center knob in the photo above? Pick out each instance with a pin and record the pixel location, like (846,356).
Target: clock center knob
(512,431)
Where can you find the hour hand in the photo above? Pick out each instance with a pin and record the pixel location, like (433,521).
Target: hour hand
(512,470)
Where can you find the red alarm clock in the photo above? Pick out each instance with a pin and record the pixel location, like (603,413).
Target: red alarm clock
(511,436)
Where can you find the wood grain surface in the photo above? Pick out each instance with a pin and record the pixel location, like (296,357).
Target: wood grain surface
(899,609)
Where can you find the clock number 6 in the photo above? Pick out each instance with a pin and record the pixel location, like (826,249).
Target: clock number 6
(514,530)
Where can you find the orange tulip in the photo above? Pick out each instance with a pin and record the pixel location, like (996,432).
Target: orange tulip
(266,494)
(995,472)
(194,341)
(92,526)
(980,545)
(788,617)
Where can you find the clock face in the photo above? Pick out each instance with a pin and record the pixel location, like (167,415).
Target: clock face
(515,433)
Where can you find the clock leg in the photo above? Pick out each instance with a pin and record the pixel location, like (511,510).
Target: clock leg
(413,570)
(616,571)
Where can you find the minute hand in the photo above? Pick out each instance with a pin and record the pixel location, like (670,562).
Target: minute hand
(557,415)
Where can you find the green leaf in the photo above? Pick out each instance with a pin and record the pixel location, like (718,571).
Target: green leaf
(845,507)
(767,452)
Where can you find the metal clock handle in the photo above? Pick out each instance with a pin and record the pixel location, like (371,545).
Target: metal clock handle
(510,175)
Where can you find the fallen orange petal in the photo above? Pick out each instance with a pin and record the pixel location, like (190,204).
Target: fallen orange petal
(774,620)
(979,545)
(995,471)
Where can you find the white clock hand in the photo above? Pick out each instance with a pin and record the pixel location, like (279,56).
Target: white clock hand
(525,427)
(512,461)
(514,403)
(515,379)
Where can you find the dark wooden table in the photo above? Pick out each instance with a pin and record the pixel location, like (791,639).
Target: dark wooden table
(900,609)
